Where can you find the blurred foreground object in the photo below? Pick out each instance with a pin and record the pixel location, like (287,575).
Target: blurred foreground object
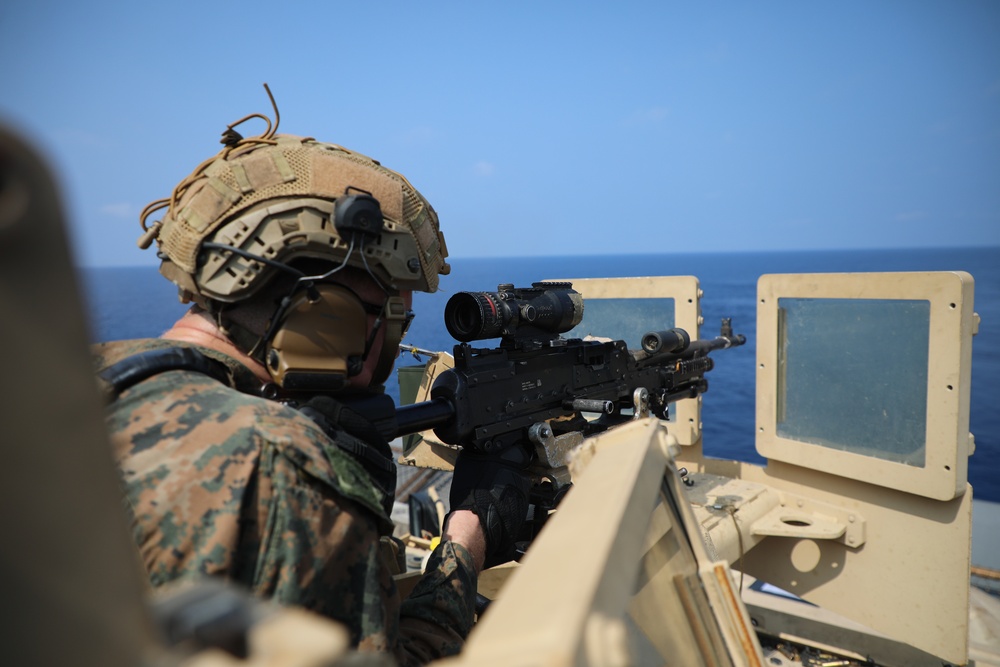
(67,557)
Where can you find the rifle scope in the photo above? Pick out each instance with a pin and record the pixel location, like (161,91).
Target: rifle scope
(542,310)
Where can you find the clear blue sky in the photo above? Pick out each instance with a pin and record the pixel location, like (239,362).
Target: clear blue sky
(558,128)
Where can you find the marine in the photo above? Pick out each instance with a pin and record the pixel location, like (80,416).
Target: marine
(239,452)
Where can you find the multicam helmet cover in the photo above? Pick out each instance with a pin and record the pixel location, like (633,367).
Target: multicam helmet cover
(272,198)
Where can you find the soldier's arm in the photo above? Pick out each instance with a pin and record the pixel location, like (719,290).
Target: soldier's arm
(437,616)
(463,527)
(320,550)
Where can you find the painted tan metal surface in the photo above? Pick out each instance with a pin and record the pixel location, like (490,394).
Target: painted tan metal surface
(910,580)
(621,555)
(291,638)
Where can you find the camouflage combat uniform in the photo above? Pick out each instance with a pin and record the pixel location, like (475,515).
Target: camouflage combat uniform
(223,483)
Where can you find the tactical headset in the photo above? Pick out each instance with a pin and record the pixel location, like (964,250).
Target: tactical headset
(319,338)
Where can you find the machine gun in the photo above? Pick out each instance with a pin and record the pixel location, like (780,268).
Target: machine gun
(536,395)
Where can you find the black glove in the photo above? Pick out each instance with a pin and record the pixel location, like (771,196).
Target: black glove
(498,494)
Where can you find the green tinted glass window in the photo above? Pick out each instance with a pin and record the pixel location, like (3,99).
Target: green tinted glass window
(852,375)
(627,320)
(624,319)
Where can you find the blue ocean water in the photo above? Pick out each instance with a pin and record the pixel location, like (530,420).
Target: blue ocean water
(136,302)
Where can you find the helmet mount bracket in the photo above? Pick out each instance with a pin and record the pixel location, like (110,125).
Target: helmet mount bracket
(358,213)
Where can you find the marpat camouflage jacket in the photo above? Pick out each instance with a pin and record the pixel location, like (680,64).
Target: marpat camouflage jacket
(219,482)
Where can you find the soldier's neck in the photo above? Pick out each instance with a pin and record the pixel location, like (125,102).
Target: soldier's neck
(197,328)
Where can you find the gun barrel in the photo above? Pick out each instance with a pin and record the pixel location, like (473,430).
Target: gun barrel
(717,343)
(422,416)
(590,405)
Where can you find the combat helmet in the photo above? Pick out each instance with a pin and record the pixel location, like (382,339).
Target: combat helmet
(264,203)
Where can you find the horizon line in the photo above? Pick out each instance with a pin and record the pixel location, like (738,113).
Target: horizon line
(452,259)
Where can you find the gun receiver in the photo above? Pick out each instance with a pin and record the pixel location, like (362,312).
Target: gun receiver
(505,401)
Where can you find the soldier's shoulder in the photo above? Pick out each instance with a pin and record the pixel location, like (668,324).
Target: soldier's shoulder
(223,420)
(186,411)
(304,443)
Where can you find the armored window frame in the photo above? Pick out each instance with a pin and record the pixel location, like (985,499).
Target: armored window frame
(951,324)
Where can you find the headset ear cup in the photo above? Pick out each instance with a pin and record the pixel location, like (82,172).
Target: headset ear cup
(320,342)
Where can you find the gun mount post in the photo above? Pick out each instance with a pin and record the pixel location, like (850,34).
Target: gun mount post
(640,403)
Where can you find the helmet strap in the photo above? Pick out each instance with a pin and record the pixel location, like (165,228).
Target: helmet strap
(395,318)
